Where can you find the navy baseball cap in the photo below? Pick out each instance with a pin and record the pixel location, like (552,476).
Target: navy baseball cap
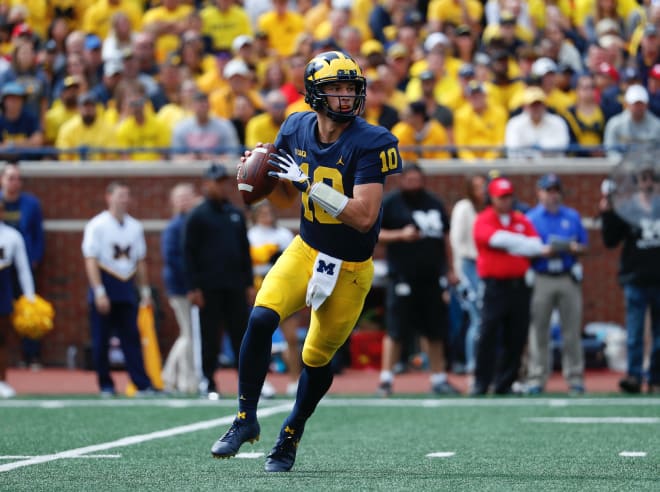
(548,181)
(216,171)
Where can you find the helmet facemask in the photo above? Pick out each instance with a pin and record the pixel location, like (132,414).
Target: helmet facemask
(333,67)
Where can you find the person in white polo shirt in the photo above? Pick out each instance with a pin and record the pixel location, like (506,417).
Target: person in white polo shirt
(536,132)
(114,250)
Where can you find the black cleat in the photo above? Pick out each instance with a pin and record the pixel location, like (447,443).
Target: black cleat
(283,455)
(239,432)
(630,384)
(384,389)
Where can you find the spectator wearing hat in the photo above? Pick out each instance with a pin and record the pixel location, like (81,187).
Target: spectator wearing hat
(606,77)
(505,240)
(611,99)
(121,37)
(87,130)
(479,123)
(417,132)
(202,136)
(218,268)
(19,128)
(536,132)
(503,89)
(439,112)
(140,131)
(26,71)
(557,285)
(93,58)
(373,53)
(654,90)
(62,110)
(399,60)
(112,75)
(507,34)
(585,118)
(282,26)
(377,111)
(167,23)
(441,13)
(444,67)
(635,125)
(240,81)
(98,15)
(544,75)
(223,21)
(464,43)
(648,53)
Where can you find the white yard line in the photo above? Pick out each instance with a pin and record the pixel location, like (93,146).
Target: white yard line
(19,457)
(342,402)
(593,420)
(137,439)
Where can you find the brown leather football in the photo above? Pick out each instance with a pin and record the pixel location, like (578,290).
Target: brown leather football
(253,180)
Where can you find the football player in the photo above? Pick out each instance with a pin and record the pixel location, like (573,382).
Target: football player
(339,163)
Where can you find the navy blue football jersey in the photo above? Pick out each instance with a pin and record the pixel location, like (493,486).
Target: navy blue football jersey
(363,154)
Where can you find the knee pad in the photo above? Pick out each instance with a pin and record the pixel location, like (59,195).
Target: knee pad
(316,358)
(263,318)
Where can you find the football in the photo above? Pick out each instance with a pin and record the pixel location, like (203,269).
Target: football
(253,180)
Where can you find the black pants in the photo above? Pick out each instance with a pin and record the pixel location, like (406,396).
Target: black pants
(224,309)
(502,334)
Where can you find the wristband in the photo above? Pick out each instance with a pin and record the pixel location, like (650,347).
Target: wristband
(145,292)
(330,199)
(99,291)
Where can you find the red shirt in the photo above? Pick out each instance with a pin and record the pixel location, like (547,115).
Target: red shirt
(498,263)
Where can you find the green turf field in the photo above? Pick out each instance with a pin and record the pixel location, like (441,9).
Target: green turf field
(530,444)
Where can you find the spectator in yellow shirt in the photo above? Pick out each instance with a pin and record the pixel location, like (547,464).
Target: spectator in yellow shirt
(86,131)
(167,22)
(282,27)
(223,22)
(454,12)
(417,131)
(479,124)
(62,109)
(97,16)
(241,81)
(141,130)
(265,126)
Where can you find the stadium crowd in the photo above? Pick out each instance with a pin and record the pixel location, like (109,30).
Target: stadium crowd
(151,80)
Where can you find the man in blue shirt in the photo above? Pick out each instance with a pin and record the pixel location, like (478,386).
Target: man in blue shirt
(557,285)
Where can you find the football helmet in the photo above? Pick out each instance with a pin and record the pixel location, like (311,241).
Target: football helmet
(334,66)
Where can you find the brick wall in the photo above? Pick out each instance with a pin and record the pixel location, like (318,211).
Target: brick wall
(71,195)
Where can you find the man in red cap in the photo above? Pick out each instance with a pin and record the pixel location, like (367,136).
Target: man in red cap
(505,241)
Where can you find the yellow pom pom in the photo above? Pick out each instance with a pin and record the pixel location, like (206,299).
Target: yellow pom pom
(32,319)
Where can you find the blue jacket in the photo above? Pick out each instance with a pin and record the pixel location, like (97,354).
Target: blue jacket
(171,247)
(25,215)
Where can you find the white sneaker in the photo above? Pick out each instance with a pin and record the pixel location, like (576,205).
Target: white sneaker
(6,391)
(292,389)
(267,390)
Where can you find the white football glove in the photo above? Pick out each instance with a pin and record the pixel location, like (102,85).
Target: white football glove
(289,170)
